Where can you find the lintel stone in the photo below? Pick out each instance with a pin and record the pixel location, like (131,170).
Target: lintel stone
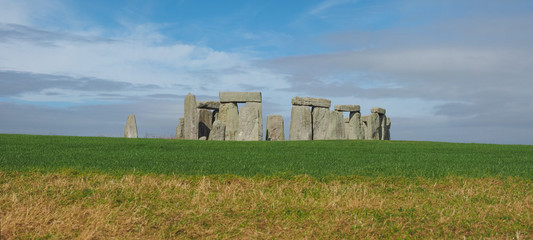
(313,102)
(347,108)
(239,97)
(212,105)
(378,110)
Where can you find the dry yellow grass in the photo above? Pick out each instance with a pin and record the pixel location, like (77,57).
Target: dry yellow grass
(96,206)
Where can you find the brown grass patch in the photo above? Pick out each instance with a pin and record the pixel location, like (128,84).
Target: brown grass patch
(97,206)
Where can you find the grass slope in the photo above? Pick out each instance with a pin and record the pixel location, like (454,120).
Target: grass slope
(315,158)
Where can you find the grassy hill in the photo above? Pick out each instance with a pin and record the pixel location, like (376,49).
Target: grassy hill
(315,158)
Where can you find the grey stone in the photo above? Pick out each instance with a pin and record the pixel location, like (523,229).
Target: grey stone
(336,126)
(218,131)
(313,102)
(355,131)
(212,105)
(386,128)
(202,138)
(346,127)
(205,122)
(191,117)
(274,129)
(372,126)
(320,123)
(130,131)
(259,107)
(215,115)
(179,129)
(378,110)
(348,108)
(248,124)
(301,125)
(229,115)
(239,97)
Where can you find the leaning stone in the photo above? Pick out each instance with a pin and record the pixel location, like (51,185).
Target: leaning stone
(335,126)
(372,127)
(205,122)
(378,110)
(212,105)
(179,129)
(130,131)
(248,124)
(320,123)
(348,108)
(191,117)
(355,131)
(313,102)
(239,97)
(274,128)
(259,107)
(301,125)
(229,115)
(217,132)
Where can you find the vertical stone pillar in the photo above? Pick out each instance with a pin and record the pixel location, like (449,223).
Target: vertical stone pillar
(259,107)
(130,131)
(356,129)
(191,117)
(179,129)
(205,122)
(347,128)
(301,125)
(218,131)
(336,125)
(274,128)
(386,130)
(320,117)
(373,124)
(229,115)
(248,124)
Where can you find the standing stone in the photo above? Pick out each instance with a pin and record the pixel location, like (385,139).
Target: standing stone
(274,128)
(179,129)
(259,107)
(215,115)
(248,124)
(191,117)
(229,115)
(386,130)
(218,131)
(301,125)
(320,123)
(356,130)
(205,122)
(130,131)
(336,126)
(372,125)
(346,128)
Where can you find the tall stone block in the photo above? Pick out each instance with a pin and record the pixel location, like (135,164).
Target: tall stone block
(320,123)
(274,129)
(218,131)
(130,131)
(179,129)
(336,126)
(259,107)
(191,117)
(301,125)
(229,115)
(248,124)
(355,132)
(205,122)
(372,126)
(386,128)
(346,128)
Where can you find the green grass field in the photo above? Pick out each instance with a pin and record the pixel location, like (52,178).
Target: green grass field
(56,187)
(315,158)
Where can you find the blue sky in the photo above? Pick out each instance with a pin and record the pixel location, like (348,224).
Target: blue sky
(445,70)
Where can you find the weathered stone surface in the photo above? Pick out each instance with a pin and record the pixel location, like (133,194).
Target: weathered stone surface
(212,105)
(301,125)
(179,129)
(346,127)
(335,126)
(274,128)
(239,97)
(229,115)
(313,102)
(218,131)
(320,123)
(355,131)
(348,108)
(130,131)
(259,107)
(205,122)
(202,138)
(191,117)
(215,115)
(386,128)
(372,126)
(248,124)
(378,110)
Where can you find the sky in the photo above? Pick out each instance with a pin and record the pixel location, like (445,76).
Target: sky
(445,70)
